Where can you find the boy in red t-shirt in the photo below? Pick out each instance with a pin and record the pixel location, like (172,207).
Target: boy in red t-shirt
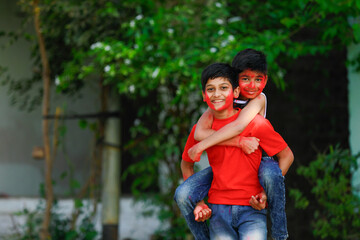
(235,178)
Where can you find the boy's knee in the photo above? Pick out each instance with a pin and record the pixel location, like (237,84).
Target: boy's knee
(182,194)
(271,177)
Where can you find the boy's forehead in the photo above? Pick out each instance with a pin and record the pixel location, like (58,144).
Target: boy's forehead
(218,80)
(249,72)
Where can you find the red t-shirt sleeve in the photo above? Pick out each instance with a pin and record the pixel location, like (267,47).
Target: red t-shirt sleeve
(270,141)
(189,143)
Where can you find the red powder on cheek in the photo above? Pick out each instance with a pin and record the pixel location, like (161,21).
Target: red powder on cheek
(209,103)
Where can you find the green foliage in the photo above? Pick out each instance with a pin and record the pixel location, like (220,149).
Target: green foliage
(334,203)
(60,227)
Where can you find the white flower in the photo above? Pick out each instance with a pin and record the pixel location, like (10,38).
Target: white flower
(231,38)
(132,23)
(155,73)
(107,68)
(139,17)
(217,4)
(221,32)
(95,45)
(213,50)
(234,19)
(181,63)
(137,122)
(107,48)
(224,43)
(152,22)
(280,74)
(219,21)
(149,47)
(127,61)
(170,30)
(57,80)
(136,46)
(131,88)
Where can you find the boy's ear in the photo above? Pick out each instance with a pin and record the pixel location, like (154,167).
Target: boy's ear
(236,92)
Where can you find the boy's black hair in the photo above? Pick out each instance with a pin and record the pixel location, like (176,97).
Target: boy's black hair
(216,70)
(250,59)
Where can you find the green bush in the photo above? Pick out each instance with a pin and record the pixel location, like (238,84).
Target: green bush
(331,198)
(61,226)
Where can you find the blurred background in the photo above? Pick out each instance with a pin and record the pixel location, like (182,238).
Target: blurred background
(98,98)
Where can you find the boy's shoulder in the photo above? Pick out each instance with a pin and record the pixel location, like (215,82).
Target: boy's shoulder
(239,103)
(259,122)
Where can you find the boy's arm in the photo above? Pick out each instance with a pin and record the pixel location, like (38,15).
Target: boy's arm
(203,126)
(187,169)
(285,158)
(232,129)
(247,144)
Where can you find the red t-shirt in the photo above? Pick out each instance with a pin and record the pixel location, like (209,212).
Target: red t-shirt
(235,174)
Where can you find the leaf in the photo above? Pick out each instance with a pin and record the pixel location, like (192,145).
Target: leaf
(83,123)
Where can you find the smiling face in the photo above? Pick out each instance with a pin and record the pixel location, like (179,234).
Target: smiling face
(251,84)
(219,94)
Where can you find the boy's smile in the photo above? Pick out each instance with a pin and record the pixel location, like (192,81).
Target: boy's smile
(251,84)
(219,94)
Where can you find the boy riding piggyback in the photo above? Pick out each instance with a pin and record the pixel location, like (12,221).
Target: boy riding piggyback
(252,72)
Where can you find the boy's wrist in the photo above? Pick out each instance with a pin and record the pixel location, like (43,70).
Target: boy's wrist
(200,146)
(240,141)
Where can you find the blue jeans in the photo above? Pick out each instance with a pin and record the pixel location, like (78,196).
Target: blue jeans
(196,187)
(231,222)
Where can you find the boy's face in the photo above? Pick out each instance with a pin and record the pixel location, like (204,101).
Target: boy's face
(219,94)
(251,84)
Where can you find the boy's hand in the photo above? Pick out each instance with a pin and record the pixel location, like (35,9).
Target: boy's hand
(258,202)
(202,212)
(249,144)
(195,153)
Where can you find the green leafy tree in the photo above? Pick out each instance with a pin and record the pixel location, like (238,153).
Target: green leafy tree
(334,205)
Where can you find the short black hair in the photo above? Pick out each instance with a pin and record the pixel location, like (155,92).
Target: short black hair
(216,70)
(250,59)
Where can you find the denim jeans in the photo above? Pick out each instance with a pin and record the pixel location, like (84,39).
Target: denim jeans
(190,192)
(196,187)
(231,222)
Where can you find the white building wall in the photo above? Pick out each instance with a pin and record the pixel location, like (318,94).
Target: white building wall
(132,224)
(20,131)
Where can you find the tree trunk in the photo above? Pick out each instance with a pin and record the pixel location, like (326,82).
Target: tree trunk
(44,233)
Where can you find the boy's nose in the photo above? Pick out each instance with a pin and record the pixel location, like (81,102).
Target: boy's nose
(217,93)
(251,84)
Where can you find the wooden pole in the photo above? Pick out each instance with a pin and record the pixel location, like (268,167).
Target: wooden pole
(111,178)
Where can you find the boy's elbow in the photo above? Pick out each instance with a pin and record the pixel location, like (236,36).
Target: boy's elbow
(290,155)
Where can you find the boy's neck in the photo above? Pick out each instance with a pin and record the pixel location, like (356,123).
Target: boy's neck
(224,114)
(243,98)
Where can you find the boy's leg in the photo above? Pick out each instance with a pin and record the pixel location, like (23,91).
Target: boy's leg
(251,223)
(272,181)
(190,192)
(221,223)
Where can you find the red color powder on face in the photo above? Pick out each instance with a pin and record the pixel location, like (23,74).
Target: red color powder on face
(249,87)
(228,102)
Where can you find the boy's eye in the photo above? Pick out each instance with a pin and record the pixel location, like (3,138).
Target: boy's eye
(244,79)
(224,88)
(210,89)
(259,79)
